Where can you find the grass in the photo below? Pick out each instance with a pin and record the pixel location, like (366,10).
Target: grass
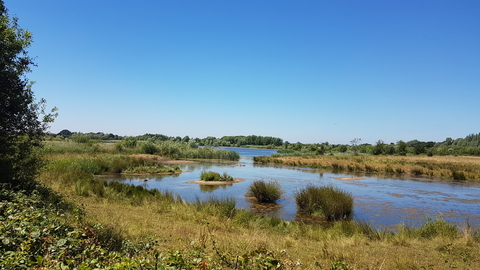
(439,167)
(213,234)
(152,169)
(265,192)
(333,203)
(214,176)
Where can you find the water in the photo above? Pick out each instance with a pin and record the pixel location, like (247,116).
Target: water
(379,201)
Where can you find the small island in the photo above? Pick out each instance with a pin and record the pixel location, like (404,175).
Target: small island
(214,178)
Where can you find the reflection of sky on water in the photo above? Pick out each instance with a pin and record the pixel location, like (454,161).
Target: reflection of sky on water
(383,202)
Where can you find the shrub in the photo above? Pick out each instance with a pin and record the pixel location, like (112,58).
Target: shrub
(438,228)
(213,176)
(265,192)
(334,203)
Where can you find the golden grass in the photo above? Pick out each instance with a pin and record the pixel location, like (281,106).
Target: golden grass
(177,226)
(439,167)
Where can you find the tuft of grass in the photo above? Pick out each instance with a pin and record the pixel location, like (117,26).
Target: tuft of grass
(333,203)
(438,228)
(265,192)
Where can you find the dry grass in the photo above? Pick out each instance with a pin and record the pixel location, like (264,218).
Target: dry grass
(439,167)
(176,226)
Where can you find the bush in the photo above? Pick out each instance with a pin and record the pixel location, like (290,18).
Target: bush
(438,228)
(334,203)
(265,192)
(213,176)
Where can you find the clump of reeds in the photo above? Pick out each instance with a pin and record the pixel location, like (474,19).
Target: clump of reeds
(214,176)
(333,203)
(265,192)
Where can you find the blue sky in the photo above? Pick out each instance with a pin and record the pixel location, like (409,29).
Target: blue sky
(308,71)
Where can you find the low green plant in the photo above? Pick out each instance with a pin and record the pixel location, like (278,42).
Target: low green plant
(265,192)
(214,176)
(332,202)
(438,228)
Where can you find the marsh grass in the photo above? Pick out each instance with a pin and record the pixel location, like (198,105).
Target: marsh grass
(214,176)
(265,192)
(333,203)
(174,150)
(224,207)
(152,169)
(440,167)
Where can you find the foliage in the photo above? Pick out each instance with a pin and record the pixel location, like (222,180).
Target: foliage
(213,176)
(21,130)
(334,203)
(265,192)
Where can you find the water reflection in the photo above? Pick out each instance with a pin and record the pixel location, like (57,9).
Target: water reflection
(212,188)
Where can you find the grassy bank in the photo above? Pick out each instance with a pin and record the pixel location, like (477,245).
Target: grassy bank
(438,167)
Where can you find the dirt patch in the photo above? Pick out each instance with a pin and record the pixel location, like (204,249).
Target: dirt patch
(215,183)
(349,178)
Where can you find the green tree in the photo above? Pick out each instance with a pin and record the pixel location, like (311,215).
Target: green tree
(21,127)
(402,148)
(378,149)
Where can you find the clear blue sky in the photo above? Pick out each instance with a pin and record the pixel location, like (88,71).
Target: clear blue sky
(308,71)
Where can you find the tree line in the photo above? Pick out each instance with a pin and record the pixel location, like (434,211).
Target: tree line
(470,145)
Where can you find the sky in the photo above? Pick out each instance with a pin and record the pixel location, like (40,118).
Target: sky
(308,71)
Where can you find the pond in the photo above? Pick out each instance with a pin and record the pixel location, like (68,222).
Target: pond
(379,201)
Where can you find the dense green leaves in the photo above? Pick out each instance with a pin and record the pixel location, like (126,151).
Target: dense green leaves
(21,129)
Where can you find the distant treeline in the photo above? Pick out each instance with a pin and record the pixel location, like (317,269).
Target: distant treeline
(233,141)
(470,145)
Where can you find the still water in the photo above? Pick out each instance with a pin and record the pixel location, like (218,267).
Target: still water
(378,201)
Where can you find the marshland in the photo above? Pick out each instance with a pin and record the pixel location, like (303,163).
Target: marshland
(168,223)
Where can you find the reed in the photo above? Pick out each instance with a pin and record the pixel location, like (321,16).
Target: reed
(332,202)
(265,192)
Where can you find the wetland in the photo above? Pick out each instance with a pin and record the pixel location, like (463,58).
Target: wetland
(379,201)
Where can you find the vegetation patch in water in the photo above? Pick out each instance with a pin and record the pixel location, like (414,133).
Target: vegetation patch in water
(332,202)
(214,176)
(265,192)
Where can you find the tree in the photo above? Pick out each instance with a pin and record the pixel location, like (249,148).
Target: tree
(21,129)
(378,149)
(355,142)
